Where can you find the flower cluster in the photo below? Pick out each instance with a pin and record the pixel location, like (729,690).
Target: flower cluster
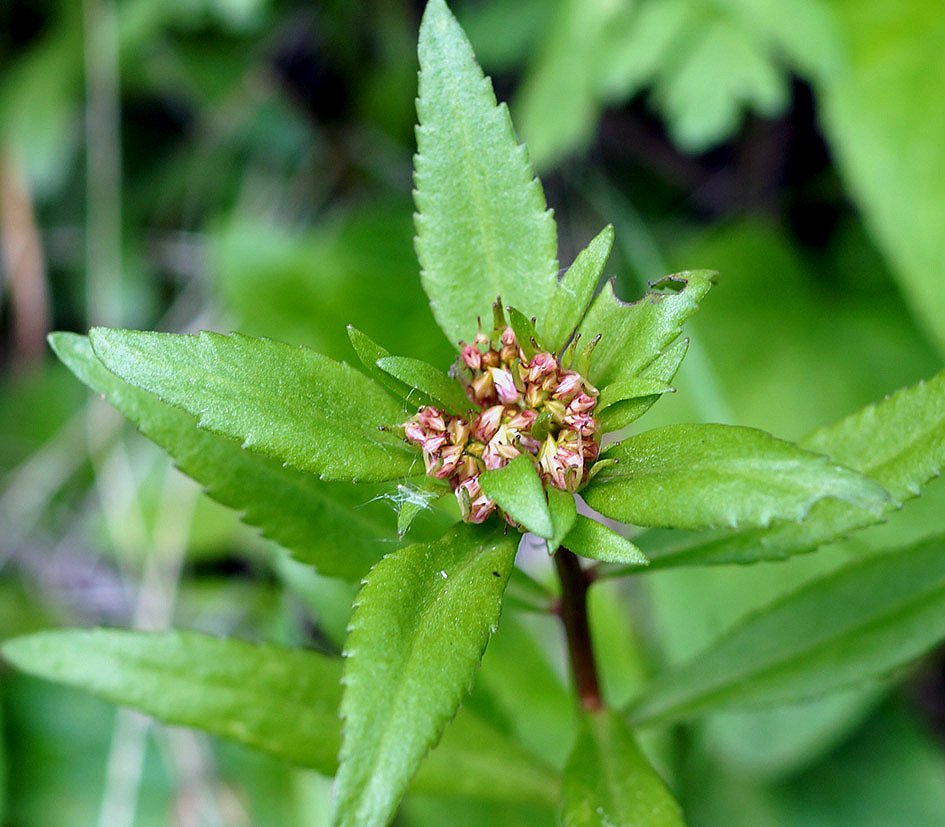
(522,405)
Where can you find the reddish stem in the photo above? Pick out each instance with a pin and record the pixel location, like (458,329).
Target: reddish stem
(573,613)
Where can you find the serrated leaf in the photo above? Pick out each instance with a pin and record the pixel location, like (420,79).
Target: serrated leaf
(483,229)
(899,442)
(563,511)
(369,352)
(856,624)
(662,370)
(222,686)
(589,538)
(702,476)
(291,404)
(339,528)
(575,290)
(517,489)
(608,780)
(418,632)
(633,335)
(417,374)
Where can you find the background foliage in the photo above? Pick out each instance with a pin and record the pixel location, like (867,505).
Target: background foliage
(246,165)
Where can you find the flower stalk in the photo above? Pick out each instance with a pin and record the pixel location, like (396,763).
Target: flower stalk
(572,610)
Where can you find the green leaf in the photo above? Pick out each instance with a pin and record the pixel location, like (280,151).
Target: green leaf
(445,392)
(856,624)
(289,403)
(700,476)
(660,371)
(563,511)
(475,760)
(589,538)
(418,632)
(222,686)
(517,489)
(369,352)
(898,441)
(633,335)
(608,780)
(575,290)
(884,113)
(483,229)
(524,330)
(227,687)
(631,388)
(339,528)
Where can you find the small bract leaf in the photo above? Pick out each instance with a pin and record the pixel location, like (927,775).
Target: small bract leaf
(483,229)
(419,629)
(855,624)
(518,491)
(524,331)
(337,527)
(369,352)
(563,512)
(575,290)
(445,392)
(633,335)
(589,538)
(700,476)
(288,403)
(662,369)
(608,780)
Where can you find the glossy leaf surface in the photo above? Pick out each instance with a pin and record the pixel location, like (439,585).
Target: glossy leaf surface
(589,538)
(703,476)
(288,403)
(417,374)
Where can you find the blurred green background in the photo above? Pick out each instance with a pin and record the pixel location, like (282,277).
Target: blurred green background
(246,165)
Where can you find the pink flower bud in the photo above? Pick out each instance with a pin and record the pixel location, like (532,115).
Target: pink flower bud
(523,420)
(450,457)
(487,423)
(472,357)
(569,385)
(430,417)
(542,364)
(414,432)
(508,337)
(581,404)
(505,386)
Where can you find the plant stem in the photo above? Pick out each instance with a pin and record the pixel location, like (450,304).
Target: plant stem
(573,613)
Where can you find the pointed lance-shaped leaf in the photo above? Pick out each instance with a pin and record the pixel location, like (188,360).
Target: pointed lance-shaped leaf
(608,781)
(226,687)
(898,441)
(288,403)
(705,476)
(633,335)
(339,528)
(483,228)
(421,623)
(593,539)
(856,624)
